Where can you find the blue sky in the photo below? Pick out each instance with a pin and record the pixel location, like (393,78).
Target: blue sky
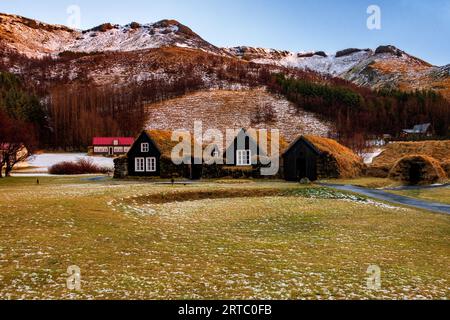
(419,27)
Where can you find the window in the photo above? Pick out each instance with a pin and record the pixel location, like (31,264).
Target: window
(100,149)
(145,147)
(139,164)
(244,157)
(215,153)
(150,164)
(116,142)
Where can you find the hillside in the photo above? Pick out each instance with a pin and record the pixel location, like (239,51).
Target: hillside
(384,67)
(217,109)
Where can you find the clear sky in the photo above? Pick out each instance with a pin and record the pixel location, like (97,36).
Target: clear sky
(420,27)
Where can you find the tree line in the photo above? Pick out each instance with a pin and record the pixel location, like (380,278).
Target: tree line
(362,112)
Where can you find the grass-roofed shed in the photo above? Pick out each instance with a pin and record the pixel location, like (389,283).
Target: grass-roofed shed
(316,158)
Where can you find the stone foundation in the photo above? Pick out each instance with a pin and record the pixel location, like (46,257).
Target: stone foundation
(121,168)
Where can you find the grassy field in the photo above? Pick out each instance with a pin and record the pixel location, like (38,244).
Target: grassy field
(213,240)
(435,194)
(366,182)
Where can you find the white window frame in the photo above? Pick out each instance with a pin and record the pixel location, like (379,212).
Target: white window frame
(145,147)
(150,164)
(242,155)
(139,164)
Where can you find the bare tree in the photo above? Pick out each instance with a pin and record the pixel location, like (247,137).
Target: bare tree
(17,142)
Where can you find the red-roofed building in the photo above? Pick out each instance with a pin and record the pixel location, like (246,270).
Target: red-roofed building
(111,146)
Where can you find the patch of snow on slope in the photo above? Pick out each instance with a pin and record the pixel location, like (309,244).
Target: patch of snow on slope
(122,39)
(327,65)
(370,156)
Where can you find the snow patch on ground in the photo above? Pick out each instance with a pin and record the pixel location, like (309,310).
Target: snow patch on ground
(41,162)
(370,156)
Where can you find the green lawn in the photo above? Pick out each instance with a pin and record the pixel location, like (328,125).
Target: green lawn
(213,240)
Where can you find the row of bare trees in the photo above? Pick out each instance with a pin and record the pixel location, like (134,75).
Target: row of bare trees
(79,113)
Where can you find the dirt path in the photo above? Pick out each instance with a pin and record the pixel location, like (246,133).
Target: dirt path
(382,195)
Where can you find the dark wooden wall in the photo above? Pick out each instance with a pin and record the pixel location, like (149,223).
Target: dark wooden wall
(300,161)
(135,152)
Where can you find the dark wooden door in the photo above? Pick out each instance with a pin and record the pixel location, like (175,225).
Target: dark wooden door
(301,168)
(306,168)
(415,173)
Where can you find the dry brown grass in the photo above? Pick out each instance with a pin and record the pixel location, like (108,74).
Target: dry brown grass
(393,152)
(349,164)
(163,140)
(446,167)
(431,170)
(399,66)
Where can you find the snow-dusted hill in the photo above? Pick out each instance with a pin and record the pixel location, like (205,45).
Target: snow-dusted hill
(36,39)
(384,67)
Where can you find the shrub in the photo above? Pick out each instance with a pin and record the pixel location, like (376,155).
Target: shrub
(81,166)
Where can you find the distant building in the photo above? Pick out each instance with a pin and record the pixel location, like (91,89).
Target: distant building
(110,146)
(420,130)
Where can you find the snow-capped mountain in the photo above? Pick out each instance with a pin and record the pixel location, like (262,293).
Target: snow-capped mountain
(385,66)
(37,39)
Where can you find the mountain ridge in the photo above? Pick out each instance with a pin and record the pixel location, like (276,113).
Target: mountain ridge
(384,67)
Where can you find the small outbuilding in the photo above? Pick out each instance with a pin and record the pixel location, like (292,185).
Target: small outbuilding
(111,146)
(316,158)
(418,169)
(420,130)
(394,152)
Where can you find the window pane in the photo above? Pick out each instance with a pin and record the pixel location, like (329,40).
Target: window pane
(151,164)
(244,157)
